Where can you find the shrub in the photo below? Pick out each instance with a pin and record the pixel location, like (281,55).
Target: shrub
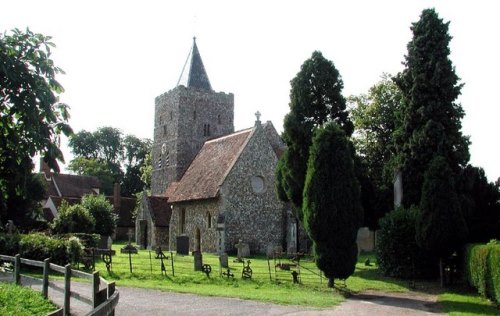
(9,244)
(88,240)
(74,249)
(39,247)
(73,219)
(482,264)
(102,211)
(397,252)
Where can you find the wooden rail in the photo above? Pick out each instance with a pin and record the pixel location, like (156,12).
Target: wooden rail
(103,302)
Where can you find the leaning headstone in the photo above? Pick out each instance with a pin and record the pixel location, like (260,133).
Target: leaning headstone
(224,260)
(198,261)
(183,245)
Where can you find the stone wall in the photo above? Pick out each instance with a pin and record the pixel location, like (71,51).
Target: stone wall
(197,217)
(253,214)
(152,236)
(184,119)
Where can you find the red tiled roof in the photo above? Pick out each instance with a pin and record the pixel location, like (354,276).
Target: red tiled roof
(210,167)
(161,210)
(72,185)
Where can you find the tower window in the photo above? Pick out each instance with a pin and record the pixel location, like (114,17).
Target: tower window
(194,115)
(182,223)
(206,129)
(159,163)
(209,220)
(164,130)
(218,118)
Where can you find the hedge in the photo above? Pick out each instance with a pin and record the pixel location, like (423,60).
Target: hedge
(482,265)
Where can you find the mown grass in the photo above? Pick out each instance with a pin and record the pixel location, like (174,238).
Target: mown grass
(21,301)
(465,302)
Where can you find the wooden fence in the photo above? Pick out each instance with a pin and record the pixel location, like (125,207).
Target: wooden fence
(102,302)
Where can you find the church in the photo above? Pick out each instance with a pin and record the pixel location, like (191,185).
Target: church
(211,184)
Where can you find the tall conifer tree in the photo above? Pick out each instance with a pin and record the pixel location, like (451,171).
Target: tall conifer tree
(432,118)
(332,204)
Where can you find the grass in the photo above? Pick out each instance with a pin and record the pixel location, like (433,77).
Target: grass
(461,302)
(21,301)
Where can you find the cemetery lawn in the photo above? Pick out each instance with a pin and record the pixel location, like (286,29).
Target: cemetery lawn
(267,284)
(460,302)
(21,301)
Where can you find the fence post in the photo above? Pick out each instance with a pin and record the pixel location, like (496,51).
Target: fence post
(111,291)
(67,289)
(17,269)
(45,284)
(95,289)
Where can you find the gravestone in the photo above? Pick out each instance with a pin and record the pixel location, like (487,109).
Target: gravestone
(224,260)
(105,242)
(270,250)
(243,250)
(183,245)
(198,261)
(291,250)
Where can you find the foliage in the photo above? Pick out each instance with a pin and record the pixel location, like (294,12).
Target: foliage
(480,202)
(31,119)
(398,254)
(40,247)
(482,265)
(440,226)
(94,167)
(23,301)
(73,219)
(102,212)
(9,244)
(146,170)
(75,250)
(332,206)
(315,98)
(431,117)
(104,152)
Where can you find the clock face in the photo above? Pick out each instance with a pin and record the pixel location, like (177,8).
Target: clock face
(258,184)
(163,149)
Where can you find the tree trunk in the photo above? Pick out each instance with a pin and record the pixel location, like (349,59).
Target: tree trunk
(441,271)
(331,282)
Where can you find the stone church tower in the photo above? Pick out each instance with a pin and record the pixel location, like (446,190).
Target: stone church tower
(186,117)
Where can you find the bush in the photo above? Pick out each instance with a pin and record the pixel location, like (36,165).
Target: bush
(75,250)
(397,252)
(9,244)
(39,247)
(88,240)
(482,263)
(73,219)
(102,211)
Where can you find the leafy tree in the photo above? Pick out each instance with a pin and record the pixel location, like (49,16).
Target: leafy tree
(31,118)
(332,207)
(431,117)
(136,152)
(102,211)
(440,226)
(147,171)
(480,202)
(376,116)
(315,98)
(83,144)
(94,167)
(73,219)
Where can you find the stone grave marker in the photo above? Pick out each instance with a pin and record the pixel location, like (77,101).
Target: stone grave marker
(198,261)
(183,245)
(224,260)
(243,250)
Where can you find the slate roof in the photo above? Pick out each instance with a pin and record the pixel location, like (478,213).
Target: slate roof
(210,167)
(194,76)
(161,211)
(68,185)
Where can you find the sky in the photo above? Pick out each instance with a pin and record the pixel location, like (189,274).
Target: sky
(119,55)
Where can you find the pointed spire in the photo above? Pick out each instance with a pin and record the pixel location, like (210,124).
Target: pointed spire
(194,75)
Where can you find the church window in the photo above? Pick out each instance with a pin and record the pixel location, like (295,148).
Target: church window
(218,119)
(206,129)
(159,163)
(209,220)
(182,224)
(164,130)
(167,159)
(194,115)
(258,184)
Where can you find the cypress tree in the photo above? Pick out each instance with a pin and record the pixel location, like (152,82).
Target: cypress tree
(332,207)
(431,117)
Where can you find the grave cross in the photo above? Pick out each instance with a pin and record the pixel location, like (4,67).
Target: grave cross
(258,115)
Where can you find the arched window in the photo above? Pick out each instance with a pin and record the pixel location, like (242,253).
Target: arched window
(194,115)
(218,119)
(182,223)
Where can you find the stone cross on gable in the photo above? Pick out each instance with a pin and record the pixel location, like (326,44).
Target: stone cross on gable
(257,115)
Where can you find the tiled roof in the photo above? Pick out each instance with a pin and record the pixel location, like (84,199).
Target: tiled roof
(161,210)
(70,200)
(210,167)
(68,185)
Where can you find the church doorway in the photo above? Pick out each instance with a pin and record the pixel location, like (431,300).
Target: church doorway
(197,244)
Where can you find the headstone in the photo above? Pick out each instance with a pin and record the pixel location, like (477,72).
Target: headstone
(110,243)
(398,188)
(198,261)
(243,250)
(183,245)
(291,250)
(224,260)
(103,242)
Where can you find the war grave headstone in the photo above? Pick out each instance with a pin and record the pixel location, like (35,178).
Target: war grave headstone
(198,261)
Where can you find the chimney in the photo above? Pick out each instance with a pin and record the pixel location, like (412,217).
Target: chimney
(116,196)
(44,168)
